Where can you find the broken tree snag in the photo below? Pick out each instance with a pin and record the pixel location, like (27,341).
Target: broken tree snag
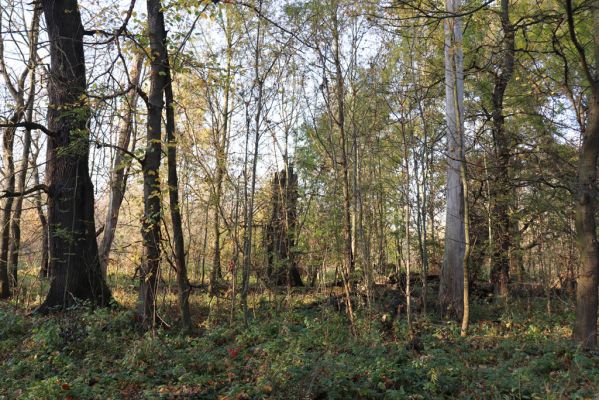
(280,230)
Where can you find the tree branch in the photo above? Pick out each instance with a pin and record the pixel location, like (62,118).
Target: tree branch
(28,125)
(581,54)
(113,146)
(118,32)
(36,188)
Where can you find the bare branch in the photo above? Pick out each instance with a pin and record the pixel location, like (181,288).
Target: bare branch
(28,125)
(36,188)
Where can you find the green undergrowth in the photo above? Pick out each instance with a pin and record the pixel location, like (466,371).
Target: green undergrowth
(301,353)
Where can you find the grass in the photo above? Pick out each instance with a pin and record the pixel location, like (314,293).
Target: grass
(293,349)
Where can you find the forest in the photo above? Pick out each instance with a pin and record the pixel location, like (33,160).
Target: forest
(299,199)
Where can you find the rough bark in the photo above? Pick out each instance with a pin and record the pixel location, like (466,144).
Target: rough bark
(452,283)
(118,179)
(74,261)
(150,230)
(280,231)
(501,193)
(585,325)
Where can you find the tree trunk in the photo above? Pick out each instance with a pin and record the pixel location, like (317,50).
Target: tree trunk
(7,145)
(452,283)
(467,249)
(44,260)
(585,325)
(280,230)
(118,180)
(7,281)
(349,261)
(501,192)
(74,261)
(221,164)
(173,191)
(249,199)
(15,243)
(24,167)
(151,168)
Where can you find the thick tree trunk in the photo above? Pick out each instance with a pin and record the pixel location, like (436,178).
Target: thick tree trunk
(74,261)
(585,325)
(280,231)
(501,192)
(452,274)
(150,230)
(118,181)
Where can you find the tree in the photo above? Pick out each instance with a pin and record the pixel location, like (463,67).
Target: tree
(585,326)
(173,191)
(23,99)
(452,282)
(15,225)
(74,262)
(280,230)
(119,176)
(501,192)
(221,136)
(150,230)
(248,229)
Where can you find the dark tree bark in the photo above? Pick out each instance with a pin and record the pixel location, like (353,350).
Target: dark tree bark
(150,230)
(118,181)
(280,231)
(173,191)
(74,260)
(585,325)
(501,193)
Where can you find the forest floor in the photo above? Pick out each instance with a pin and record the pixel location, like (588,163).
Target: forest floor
(296,347)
